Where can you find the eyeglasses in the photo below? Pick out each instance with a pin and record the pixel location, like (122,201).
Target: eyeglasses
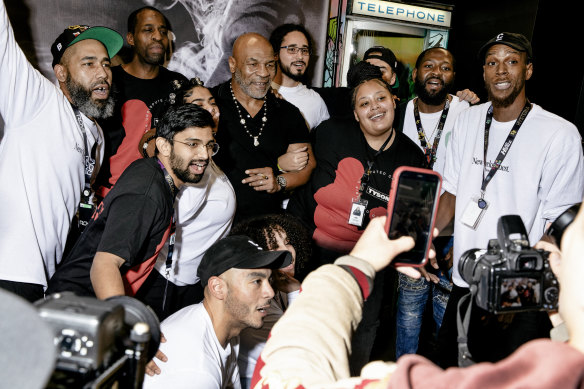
(212,147)
(295,49)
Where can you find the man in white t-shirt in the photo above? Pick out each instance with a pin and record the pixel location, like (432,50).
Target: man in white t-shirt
(204,214)
(202,340)
(50,150)
(293,46)
(534,168)
(428,121)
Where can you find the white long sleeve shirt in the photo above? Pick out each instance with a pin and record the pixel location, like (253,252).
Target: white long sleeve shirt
(41,166)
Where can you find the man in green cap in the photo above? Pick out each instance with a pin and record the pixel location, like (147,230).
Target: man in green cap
(51,149)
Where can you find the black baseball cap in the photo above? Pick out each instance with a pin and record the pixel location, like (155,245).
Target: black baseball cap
(239,252)
(111,39)
(511,39)
(386,55)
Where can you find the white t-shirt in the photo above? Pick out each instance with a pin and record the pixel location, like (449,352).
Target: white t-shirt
(541,176)
(310,104)
(430,124)
(41,166)
(204,214)
(253,340)
(196,359)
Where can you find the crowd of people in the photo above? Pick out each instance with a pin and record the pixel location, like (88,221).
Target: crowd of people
(249,216)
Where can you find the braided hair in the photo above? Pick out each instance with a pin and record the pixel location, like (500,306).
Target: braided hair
(362,72)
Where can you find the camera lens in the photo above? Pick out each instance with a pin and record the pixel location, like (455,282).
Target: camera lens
(558,227)
(468,263)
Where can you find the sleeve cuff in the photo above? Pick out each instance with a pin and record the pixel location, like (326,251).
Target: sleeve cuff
(361,271)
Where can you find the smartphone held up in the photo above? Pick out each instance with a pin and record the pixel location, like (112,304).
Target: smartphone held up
(411,211)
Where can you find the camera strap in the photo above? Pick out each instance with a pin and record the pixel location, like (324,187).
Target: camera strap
(172,236)
(464,355)
(430,153)
(504,149)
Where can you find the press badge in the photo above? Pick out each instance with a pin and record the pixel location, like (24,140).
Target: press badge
(357,214)
(474,211)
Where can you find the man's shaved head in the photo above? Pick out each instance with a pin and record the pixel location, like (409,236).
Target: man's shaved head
(253,65)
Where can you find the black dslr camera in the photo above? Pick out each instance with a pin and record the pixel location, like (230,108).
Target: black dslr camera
(99,343)
(510,276)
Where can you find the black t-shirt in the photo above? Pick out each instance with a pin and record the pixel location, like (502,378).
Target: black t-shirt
(130,223)
(139,105)
(342,153)
(285,125)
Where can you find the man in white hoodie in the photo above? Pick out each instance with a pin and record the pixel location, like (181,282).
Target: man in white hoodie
(51,148)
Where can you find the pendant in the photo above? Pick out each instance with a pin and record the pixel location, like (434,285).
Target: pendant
(256,143)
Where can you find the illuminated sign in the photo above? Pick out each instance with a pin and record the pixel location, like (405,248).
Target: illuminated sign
(400,11)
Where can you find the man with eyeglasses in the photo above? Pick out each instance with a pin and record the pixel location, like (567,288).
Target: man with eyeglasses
(293,46)
(116,253)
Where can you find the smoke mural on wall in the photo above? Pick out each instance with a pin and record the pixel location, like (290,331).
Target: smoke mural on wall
(204,29)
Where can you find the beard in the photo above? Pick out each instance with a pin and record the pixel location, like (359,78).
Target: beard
(81,98)
(434,97)
(505,101)
(240,312)
(183,174)
(246,87)
(294,76)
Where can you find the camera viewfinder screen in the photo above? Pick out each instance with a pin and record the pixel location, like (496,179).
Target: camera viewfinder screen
(519,292)
(412,213)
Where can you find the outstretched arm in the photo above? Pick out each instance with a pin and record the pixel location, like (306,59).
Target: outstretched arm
(24,89)
(325,314)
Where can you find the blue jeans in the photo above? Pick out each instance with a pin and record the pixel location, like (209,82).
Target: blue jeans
(412,299)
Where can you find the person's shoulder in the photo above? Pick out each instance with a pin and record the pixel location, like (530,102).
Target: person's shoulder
(190,317)
(337,127)
(551,121)
(281,104)
(221,90)
(140,178)
(457,103)
(406,104)
(143,165)
(406,145)
(170,75)
(118,71)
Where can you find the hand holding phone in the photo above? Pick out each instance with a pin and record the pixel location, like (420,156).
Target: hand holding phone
(413,202)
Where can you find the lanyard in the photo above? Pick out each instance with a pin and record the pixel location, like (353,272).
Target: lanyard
(172,236)
(88,157)
(430,153)
(366,173)
(504,149)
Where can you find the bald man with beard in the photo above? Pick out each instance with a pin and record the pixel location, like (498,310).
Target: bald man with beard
(256,128)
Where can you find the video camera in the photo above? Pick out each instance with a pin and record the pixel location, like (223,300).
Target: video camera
(100,343)
(510,276)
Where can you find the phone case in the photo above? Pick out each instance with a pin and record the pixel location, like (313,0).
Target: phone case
(392,198)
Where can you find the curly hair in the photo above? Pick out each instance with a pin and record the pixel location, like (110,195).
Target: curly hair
(263,229)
